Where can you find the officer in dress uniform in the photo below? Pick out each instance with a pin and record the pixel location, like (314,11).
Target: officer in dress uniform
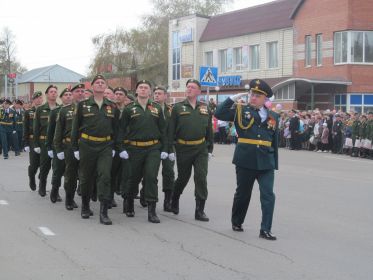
(93,132)
(190,133)
(7,128)
(256,153)
(19,114)
(28,138)
(62,145)
(143,141)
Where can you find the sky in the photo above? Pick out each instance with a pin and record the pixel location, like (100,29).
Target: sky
(61,32)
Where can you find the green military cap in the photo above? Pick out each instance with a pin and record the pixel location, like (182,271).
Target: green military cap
(78,86)
(89,90)
(64,91)
(160,88)
(120,89)
(49,87)
(97,77)
(143,82)
(37,94)
(109,87)
(194,81)
(19,101)
(261,87)
(7,101)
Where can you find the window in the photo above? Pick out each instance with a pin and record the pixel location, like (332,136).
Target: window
(237,55)
(223,60)
(308,51)
(209,59)
(272,54)
(176,56)
(286,93)
(319,49)
(353,47)
(254,57)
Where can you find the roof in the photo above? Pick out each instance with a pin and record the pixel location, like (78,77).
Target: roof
(270,16)
(310,81)
(50,74)
(296,9)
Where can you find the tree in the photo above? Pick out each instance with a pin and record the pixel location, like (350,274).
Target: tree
(144,50)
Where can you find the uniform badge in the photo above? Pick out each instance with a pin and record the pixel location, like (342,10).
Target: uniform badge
(271,123)
(184,108)
(134,110)
(88,108)
(247,115)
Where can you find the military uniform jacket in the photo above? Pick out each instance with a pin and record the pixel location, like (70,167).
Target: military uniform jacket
(52,127)
(28,120)
(138,124)
(64,124)
(190,124)
(251,156)
(18,118)
(355,129)
(337,128)
(370,130)
(7,119)
(363,130)
(94,121)
(40,125)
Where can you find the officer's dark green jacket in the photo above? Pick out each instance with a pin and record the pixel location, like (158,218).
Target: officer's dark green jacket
(52,127)
(28,125)
(252,156)
(190,124)
(64,124)
(356,128)
(95,122)
(138,124)
(363,130)
(370,129)
(7,120)
(40,125)
(18,119)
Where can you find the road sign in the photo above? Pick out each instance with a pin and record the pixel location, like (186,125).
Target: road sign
(208,76)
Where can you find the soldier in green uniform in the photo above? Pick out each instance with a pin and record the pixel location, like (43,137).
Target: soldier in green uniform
(93,132)
(7,128)
(19,114)
(362,135)
(62,145)
(256,154)
(28,138)
(40,127)
(168,174)
(144,143)
(355,133)
(370,133)
(58,165)
(190,132)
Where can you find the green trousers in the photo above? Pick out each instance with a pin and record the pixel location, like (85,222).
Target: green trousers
(125,176)
(95,158)
(45,162)
(186,158)
(34,161)
(168,175)
(71,170)
(58,169)
(116,173)
(145,164)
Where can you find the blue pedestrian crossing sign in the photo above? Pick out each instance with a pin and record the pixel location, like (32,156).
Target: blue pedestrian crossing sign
(208,76)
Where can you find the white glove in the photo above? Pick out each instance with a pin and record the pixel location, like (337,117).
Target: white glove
(210,156)
(76,155)
(172,156)
(14,132)
(37,150)
(50,154)
(238,96)
(164,155)
(61,156)
(112,153)
(124,155)
(27,149)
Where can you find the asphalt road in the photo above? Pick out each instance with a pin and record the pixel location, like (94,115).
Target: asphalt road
(323,221)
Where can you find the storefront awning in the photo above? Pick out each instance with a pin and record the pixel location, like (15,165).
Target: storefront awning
(309,81)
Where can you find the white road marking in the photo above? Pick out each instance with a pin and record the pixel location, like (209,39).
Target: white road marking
(3,202)
(46,231)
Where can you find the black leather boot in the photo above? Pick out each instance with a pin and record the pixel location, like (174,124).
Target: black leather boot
(86,212)
(200,214)
(104,218)
(68,202)
(142,198)
(54,194)
(152,215)
(32,182)
(175,203)
(42,188)
(167,201)
(73,203)
(128,207)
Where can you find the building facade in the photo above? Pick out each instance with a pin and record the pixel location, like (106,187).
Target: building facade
(313,53)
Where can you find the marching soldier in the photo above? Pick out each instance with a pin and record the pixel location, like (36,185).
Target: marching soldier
(190,126)
(256,154)
(168,174)
(62,145)
(94,128)
(40,127)
(28,138)
(19,114)
(7,128)
(146,143)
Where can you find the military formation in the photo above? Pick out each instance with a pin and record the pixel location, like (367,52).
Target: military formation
(106,141)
